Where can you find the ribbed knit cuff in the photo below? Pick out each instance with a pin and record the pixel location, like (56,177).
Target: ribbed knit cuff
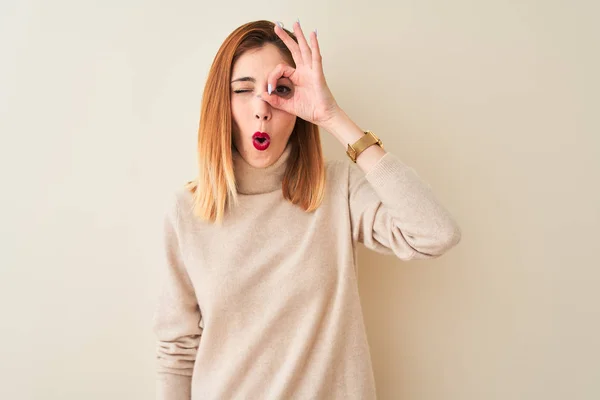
(388,167)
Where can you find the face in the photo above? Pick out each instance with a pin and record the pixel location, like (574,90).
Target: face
(260,132)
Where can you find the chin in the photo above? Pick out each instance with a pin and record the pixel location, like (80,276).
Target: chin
(261,160)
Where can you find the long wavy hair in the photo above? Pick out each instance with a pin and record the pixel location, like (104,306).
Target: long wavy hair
(214,190)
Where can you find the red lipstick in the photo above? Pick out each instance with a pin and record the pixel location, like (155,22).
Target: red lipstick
(261,140)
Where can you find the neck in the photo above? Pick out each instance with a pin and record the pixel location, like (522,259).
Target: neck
(252,180)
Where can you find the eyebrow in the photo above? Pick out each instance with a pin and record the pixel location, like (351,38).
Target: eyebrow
(244,79)
(251,79)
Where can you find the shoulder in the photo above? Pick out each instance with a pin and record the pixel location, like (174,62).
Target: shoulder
(336,168)
(337,174)
(179,200)
(343,172)
(184,196)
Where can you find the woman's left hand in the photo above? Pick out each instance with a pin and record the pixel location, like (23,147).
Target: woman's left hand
(311,99)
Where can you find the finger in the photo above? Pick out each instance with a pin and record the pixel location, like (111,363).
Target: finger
(281,70)
(304,48)
(291,45)
(278,102)
(317,59)
(274,99)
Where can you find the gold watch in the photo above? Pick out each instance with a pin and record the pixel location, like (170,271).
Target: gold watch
(361,144)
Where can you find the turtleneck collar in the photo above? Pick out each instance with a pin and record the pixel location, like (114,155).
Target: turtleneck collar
(252,180)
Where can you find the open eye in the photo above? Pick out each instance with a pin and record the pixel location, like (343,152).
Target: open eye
(286,90)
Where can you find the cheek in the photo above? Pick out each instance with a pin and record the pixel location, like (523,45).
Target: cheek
(291,122)
(236,120)
(236,109)
(286,123)
(286,119)
(238,116)
(240,103)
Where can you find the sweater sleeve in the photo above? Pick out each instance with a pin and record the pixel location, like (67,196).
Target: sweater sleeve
(394,212)
(176,320)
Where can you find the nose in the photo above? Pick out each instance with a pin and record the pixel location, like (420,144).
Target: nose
(262,110)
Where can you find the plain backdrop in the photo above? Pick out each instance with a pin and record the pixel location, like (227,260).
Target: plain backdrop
(494,103)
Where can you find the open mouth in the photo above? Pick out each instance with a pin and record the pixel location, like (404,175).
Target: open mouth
(261,140)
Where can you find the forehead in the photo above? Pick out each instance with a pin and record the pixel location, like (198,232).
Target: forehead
(258,63)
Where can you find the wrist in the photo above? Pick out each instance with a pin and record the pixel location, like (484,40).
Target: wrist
(347,132)
(343,128)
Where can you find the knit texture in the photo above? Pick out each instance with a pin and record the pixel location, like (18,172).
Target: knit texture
(266,306)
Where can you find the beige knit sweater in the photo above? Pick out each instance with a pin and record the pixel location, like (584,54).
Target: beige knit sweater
(267,306)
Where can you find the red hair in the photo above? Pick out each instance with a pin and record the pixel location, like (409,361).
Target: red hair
(215,189)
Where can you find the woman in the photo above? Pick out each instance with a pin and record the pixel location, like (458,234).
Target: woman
(260,296)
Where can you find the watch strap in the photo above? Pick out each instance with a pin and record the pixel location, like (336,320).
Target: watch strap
(368,140)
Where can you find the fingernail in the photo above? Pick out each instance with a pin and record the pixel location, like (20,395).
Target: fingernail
(270,88)
(298,20)
(316,32)
(280,24)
